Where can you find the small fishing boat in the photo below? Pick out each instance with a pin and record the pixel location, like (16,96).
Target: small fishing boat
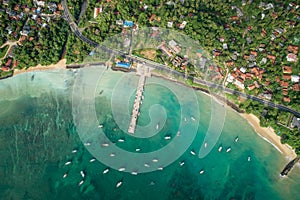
(87,144)
(112,155)
(121,169)
(121,140)
(68,163)
(228,149)
(100,126)
(236,139)
(119,184)
(92,160)
(193,152)
(82,174)
(65,175)
(155,160)
(137,149)
(80,183)
(160,168)
(167,137)
(134,173)
(106,171)
(201,172)
(74,150)
(205,144)
(193,118)
(249,159)
(105,144)
(220,148)
(146,165)
(157,126)
(181,163)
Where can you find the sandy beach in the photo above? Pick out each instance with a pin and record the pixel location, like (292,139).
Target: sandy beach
(269,135)
(60,65)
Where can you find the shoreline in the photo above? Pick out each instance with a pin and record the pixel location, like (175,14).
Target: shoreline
(267,134)
(61,64)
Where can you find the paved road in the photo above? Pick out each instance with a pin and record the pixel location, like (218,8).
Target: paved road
(162,67)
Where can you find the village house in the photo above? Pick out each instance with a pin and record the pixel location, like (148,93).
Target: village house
(182,25)
(287,99)
(293,49)
(295,78)
(170,24)
(296,87)
(287,69)
(291,57)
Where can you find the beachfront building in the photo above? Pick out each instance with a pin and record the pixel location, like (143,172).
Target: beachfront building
(123,65)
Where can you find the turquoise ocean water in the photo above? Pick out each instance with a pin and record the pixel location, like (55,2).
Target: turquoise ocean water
(38,135)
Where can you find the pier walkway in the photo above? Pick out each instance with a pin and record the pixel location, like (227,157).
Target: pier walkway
(143,71)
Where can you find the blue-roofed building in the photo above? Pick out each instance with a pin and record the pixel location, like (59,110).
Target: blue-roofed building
(128,23)
(123,64)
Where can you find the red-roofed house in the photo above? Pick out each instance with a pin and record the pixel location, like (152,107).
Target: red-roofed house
(8,63)
(284,84)
(296,87)
(291,57)
(287,69)
(251,87)
(286,99)
(287,76)
(292,48)
(5,69)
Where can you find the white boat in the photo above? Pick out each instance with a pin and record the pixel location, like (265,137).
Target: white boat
(137,149)
(205,144)
(220,148)
(160,168)
(228,149)
(100,126)
(74,150)
(181,163)
(236,139)
(68,163)
(134,173)
(249,159)
(119,184)
(105,144)
(157,127)
(185,119)
(121,140)
(82,174)
(92,160)
(167,137)
(201,172)
(106,171)
(146,165)
(155,160)
(193,118)
(178,133)
(122,169)
(87,144)
(112,155)
(65,175)
(193,152)
(80,183)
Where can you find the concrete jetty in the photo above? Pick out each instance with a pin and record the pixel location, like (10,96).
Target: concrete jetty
(143,71)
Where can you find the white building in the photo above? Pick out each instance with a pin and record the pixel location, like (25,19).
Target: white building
(295,78)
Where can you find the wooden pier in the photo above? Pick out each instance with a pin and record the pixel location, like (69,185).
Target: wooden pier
(143,71)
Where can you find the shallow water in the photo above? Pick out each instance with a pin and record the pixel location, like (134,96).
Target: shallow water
(38,134)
